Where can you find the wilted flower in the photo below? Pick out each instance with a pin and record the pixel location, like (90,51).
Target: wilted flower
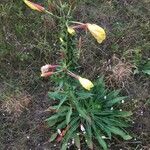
(48,70)
(98,32)
(87,84)
(34,6)
(71,30)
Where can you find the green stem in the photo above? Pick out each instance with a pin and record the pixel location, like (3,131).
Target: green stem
(46,11)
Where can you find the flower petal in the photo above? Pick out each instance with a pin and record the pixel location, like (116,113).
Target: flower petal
(71,30)
(87,84)
(34,6)
(98,32)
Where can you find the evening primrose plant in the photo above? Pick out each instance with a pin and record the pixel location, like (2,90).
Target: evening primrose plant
(83,110)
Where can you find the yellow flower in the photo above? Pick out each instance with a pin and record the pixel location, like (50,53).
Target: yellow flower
(98,32)
(87,84)
(71,30)
(34,6)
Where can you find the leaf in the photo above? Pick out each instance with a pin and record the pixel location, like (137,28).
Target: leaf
(114,101)
(61,125)
(113,94)
(53,137)
(84,95)
(55,116)
(77,141)
(52,123)
(68,116)
(74,124)
(98,137)
(56,95)
(102,126)
(88,135)
(61,102)
(118,131)
(122,113)
(146,71)
(101,142)
(82,112)
(64,146)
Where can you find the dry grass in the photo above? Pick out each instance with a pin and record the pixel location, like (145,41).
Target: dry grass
(15,103)
(118,72)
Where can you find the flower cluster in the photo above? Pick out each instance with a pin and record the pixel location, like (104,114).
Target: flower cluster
(48,70)
(97,31)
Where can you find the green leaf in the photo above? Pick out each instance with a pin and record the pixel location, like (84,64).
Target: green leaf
(77,141)
(84,95)
(61,125)
(74,124)
(122,113)
(98,137)
(68,116)
(61,102)
(55,116)
(146,71)
(88,135)
(113,94)
(82,112)
(101,142)
(52,123)
(120,132)
(56,95)
(114,101)
(53,137)
(64,146)
(102,126)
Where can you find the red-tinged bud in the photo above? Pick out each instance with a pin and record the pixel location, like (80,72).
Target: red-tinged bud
(34,6)
(53,66)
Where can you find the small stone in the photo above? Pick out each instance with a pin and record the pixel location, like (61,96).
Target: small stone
(111,108)
(103,137)
(122,101)
(72,141)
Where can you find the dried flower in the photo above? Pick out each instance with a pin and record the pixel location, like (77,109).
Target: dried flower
(47,70)
(34,6)
(98,32)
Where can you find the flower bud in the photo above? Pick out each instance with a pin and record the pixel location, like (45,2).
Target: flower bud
(87,84)
(98,32)
(34,6)
(71,30)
